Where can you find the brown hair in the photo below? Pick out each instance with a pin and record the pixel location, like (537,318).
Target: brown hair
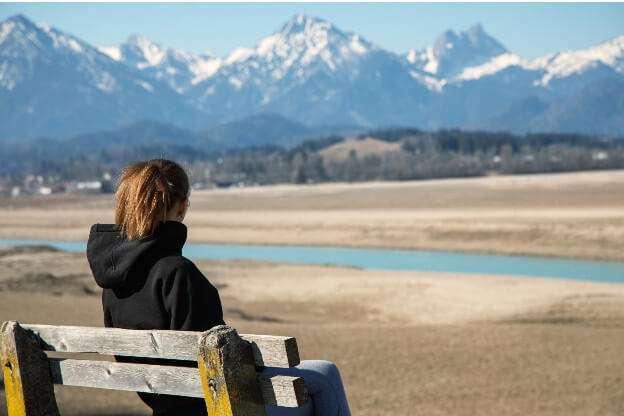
(146,191)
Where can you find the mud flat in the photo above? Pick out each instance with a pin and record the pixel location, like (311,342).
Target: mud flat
(406,342)
(574,215)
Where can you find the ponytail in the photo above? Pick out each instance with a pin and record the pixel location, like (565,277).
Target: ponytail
(146,192)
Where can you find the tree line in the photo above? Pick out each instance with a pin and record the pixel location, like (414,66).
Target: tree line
(422,155)
(419,155)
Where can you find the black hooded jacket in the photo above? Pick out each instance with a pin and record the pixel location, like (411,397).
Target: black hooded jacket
(148,284)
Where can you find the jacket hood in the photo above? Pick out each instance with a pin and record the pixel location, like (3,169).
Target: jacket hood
(117,262)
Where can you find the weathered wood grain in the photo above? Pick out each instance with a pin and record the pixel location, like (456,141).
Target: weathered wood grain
(228,374)
(181,345)
(27,384)
(272,351)
(268,350)
(181,381)
(283,391)
(226,377)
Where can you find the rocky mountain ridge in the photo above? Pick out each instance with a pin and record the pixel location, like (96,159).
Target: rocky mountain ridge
(55,85)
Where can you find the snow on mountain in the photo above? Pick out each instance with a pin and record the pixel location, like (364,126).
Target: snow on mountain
(432,83)
(27,47)
(555,65)
(496,64)
(564,64)
(54,84)
(114,52)
(303,47)
(305,41)
(23,43)
(178,68)
(452,52)
(308,68)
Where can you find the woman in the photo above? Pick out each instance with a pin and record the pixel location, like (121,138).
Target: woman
(148,284)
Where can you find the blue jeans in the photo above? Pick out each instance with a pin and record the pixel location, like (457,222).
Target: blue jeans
(322,379)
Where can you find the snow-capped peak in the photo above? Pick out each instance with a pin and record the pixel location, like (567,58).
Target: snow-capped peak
(19,18)
(453,52)
(550,66)
(301,23)
(17,22)
(24,43)
(5,29)
(554,65)
(153,53)
(301,35)
(563,64)
(305,40)
(27,34)
(307,69)
(300,49)
(179,68)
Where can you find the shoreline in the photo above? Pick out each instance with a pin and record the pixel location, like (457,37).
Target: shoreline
(459,343)
(577,216)
(407,297)
(444,332)
(38,241)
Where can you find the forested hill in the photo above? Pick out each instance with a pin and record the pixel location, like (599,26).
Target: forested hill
(392,154)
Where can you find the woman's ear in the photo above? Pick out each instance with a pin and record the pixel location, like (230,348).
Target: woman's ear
(178,211)
(182,206)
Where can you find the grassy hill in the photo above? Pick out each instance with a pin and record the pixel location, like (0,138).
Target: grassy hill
(358,147)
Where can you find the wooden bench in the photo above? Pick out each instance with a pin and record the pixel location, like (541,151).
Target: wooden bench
(226,376)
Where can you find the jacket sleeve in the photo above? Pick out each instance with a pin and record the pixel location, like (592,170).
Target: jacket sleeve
(192,302)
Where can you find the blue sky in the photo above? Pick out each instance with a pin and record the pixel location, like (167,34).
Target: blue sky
(527,29)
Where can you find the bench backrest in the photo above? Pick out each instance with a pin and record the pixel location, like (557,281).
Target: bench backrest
(226,375)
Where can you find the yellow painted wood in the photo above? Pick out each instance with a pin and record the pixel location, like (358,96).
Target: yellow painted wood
(28,387)
(16,405)
(226,369)
(213,383)
(228,374)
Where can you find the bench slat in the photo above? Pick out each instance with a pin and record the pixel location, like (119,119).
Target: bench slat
(273,351)
(268,350)
(182,381)
(283,391)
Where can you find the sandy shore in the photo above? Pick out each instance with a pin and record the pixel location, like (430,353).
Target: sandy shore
(576,215)
(406,342)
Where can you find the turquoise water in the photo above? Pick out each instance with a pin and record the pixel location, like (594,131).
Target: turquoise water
(382,259)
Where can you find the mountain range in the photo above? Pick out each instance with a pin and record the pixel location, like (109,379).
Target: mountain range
(53,84)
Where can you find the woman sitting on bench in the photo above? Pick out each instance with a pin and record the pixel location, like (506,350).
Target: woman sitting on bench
(148,284)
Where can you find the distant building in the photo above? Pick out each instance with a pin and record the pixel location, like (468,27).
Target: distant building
(44,190)
(600,156)
(89,187)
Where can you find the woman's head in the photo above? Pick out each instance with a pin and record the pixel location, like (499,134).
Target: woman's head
(149,193)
